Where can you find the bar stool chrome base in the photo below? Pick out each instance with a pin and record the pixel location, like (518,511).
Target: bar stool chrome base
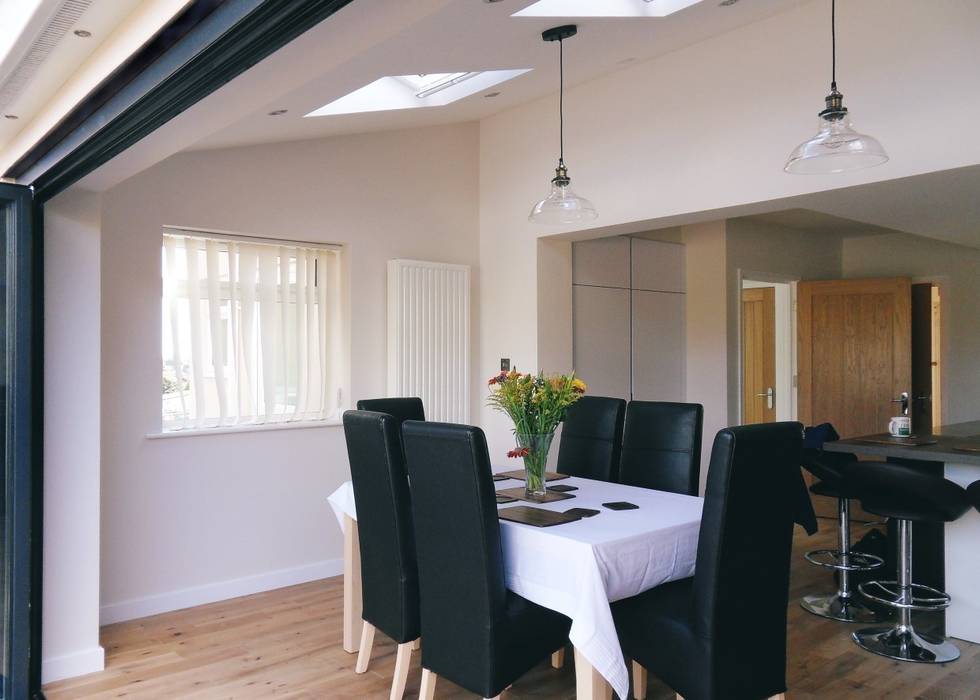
(835,607)
(906,645)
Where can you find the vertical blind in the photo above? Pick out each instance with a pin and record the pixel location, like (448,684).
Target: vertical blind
(251,332)
(429,336)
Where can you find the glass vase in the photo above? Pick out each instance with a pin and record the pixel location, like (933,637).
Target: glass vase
(537,445)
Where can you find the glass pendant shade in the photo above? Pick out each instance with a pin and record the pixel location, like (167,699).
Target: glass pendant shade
(836,148)
(562,205)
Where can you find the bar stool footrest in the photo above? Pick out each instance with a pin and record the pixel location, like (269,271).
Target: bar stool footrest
(851,561)
(886,593)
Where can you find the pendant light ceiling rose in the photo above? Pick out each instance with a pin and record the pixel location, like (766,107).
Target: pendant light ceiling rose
(565,31)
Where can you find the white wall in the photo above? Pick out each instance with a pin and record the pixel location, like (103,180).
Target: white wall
(70,608)
(957,271)
(686,136)
(191,519)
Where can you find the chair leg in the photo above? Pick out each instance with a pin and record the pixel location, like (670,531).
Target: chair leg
(417,644)
(640,682)
(403,660)
(558,658)
(427,690)
(364,653)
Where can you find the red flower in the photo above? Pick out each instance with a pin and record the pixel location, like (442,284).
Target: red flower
(519,452)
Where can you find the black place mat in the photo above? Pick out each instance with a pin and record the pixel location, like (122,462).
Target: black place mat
(549,496)
(886,439)
(967,448)
(519,474)
(505,499)
(500,477)
(538,517)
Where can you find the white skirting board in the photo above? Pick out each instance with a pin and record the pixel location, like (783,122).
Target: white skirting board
(70,665)
(221,590)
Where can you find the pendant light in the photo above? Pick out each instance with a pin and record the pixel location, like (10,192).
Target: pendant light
(562,205)
(836,148)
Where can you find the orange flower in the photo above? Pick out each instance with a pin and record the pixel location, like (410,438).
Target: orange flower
(578,386)
(519,452)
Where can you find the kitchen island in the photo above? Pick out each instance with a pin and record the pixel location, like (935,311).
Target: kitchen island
(948,555)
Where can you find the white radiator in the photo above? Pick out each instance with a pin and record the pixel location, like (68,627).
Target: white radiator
(429,336)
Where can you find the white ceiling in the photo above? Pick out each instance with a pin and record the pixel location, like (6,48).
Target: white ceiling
(467,35)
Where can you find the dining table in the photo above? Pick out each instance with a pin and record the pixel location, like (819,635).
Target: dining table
(576,568)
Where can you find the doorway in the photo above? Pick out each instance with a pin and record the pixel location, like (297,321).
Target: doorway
(767,347)
(925,406)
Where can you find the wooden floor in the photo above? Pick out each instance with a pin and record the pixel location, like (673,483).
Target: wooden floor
(287,644)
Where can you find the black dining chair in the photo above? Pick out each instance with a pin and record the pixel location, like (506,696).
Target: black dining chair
(402,408)
(721,634)
(389,575)
(662,446)
(973,491)
(476,633)
(592,438)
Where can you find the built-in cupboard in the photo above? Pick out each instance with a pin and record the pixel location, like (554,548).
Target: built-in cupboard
(628,317)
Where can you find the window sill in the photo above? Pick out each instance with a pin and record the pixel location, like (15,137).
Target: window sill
(260,428)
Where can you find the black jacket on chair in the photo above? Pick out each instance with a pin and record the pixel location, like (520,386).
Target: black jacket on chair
(721,635)
(662,446)
(403,409)
(475,632)
(389,575)
(592,438)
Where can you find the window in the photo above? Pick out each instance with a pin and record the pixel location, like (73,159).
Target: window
(251,331)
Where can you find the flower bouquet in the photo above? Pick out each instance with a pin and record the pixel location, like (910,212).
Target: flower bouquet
(536,404)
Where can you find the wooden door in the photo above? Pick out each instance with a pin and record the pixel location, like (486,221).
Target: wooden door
(854,357)
(759,355)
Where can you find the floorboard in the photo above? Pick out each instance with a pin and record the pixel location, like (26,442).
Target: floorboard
(287,644)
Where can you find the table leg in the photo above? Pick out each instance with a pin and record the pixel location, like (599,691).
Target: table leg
(352,586)
(589,683)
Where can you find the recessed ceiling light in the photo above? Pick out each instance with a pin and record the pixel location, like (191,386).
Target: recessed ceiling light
(83,33)
(604,8)
(727,3)
(492,94)
(419,90)
(10,116)
(277,112)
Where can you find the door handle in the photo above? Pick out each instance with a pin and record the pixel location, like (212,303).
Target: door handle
(904,400)
(769,395)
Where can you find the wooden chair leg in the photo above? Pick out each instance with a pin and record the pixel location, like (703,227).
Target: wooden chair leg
(781,696)
(417,644)
(640,682)
(558,658)
(427,690)
(364,653)
(403,660)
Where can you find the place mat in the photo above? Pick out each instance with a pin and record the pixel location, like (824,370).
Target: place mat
(967,448)
(501,477)
(519,474)
(886,439)
(538,517)
(505,499)
(549,496)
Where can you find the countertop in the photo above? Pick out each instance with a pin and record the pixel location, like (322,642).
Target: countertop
(948,438)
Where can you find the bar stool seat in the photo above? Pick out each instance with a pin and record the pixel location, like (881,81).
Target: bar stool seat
(835,473)
(908,495)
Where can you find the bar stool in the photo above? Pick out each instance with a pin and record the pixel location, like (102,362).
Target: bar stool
(834,471)
(908,495)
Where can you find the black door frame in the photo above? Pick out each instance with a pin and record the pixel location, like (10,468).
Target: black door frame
(209,44)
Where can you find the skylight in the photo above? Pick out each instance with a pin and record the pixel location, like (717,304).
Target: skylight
(604,8)
(412,91)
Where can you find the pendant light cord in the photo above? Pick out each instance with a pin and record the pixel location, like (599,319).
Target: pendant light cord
(561,102)
(833,45)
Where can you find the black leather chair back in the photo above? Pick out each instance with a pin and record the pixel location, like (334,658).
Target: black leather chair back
(592,438)
(403,409)
(458,537)
(389,575)
(662,446)
(741,582)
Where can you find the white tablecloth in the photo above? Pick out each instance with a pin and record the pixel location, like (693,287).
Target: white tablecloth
(578,568)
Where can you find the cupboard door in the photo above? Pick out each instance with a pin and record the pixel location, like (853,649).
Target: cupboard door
(603,262)
(601,352)
(658,346)
(657,266)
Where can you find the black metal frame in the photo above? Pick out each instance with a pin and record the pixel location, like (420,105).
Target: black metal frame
(23,419)
(206,46)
